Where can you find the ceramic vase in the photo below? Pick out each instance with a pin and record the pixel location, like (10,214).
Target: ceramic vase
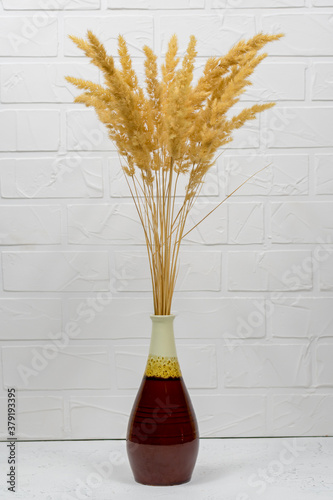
(162,436)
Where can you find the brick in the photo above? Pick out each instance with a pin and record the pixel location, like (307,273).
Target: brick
(55,271)
(324,366)
(111,412)
(301,222)
(302,414)
(86,133)
(270,271)
(270,82)
(104,224)
(27,36)
(325,263)
(197,362)
(322,3)
(230,415)
(8,136)
(301,317)
(278,365)
(39,130)
(138,32)
(215,33)
(322,81)
(212,230)
(69,176)
(256,4)
(318,44)
(323,174)
(298,127)
(46,367)
(130,362)
(246,136)
(156,4)
(51,4)
(3,423)
(106,317)
(36,418)
(119,187)
(28,225)
(42,82)
(245,223)
(30,130)
(29,319)
(40,417)
(286,176)
(220,318)
(197,271)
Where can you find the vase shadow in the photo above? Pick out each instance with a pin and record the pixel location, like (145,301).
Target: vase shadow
(202,474)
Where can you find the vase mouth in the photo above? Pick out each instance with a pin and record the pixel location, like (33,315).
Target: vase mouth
(162,317)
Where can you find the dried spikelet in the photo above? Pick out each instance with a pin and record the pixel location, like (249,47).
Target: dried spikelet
(128,73)
(171,61)
(247,114)
(169,130)
(86,85)
(216,68)
(178,108)
(83,45)
(154,89)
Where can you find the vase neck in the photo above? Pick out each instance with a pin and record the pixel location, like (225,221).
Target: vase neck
(162,360)
(162,341)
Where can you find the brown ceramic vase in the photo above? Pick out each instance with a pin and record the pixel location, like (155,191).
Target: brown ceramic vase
(162,435)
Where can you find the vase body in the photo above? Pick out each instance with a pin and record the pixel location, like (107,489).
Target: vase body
(162,436)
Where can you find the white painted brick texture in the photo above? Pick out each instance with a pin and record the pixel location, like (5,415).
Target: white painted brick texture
(82,367)
(254,298)
(71,175)
(51,4)
(28,36)
(35,130)
(268,4)
(55,271)
(18,81)
(30,224)
(29,319)
(137,33)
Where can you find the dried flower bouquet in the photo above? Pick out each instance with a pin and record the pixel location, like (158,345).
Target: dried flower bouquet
(170,129)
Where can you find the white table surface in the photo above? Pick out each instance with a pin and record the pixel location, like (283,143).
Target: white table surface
(226,469)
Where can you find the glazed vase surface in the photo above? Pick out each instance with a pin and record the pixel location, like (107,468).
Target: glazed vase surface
(162,436)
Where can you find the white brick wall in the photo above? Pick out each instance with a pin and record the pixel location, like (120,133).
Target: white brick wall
(254,299)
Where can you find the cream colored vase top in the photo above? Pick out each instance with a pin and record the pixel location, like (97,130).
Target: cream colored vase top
(162,358)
